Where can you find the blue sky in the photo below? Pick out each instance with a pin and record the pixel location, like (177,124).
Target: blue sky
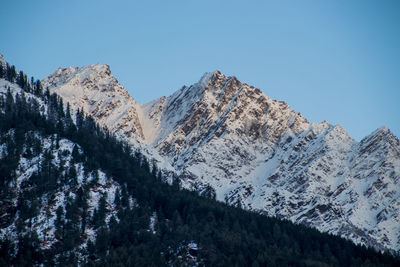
(329,60)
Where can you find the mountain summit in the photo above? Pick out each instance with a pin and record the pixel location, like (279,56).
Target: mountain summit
(253,151)
(95,91)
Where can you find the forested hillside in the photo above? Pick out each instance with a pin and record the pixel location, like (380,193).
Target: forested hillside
(92,201)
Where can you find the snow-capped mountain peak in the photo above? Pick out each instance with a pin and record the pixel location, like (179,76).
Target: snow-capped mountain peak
(253,151)
(205,79)
(98,93)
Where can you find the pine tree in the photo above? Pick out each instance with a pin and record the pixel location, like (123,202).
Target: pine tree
(59,222)
(72,176)
(21,81)
(102,211)
(38,88)
(1,71)
(11,73)
(117,198)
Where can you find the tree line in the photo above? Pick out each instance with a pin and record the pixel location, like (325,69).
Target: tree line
(224,235)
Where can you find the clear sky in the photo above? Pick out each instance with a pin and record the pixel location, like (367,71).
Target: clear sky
(329,60)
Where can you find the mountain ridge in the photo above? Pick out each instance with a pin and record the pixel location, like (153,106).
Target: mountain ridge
(73,194)
(262,155)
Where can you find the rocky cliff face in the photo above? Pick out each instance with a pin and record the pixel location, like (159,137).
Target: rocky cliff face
(254,151)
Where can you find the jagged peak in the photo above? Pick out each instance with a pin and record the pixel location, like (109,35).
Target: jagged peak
(380,137)
(381,131)
(384,130)
(325,124)
(96,76)
(93,89)
(85,71)
(100,68)
(339,128)
(330,129)
(207,78)
(212,80)
(197,89)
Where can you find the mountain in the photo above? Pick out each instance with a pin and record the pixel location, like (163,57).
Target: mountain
(72,194)
(254,151)
(101,96)
(104,99)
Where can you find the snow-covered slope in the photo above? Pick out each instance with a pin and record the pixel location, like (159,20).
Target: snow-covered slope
(44,222)
(254,151)
(99,95)
(19,215)
(95,91)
